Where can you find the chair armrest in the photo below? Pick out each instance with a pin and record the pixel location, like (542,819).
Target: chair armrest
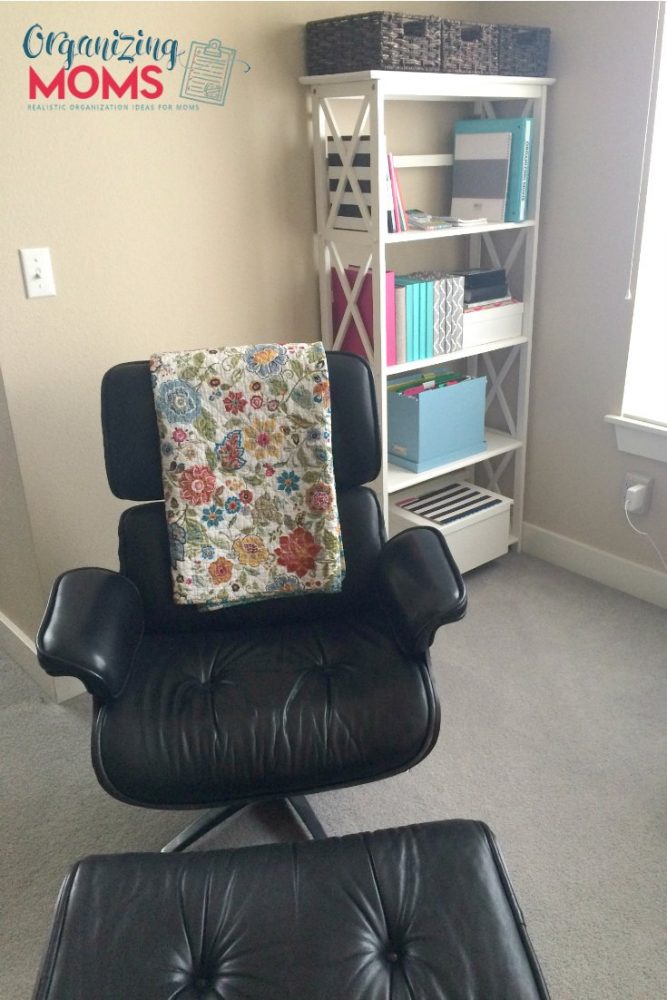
(420,587)
(92,625)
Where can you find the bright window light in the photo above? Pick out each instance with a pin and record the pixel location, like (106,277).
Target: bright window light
(645,394)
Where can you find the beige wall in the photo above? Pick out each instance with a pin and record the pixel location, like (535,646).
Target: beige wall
(189,229)
(601,57)
(167,230)
(21,592)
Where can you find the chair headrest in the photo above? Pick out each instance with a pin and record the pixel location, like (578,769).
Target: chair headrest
(132,447)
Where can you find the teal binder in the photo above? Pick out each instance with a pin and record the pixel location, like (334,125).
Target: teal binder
(413,295)
(516,205)
(428,320)
(413,330)
(418,316)
(422,319)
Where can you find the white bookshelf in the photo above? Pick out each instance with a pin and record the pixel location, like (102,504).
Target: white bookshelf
(374,104)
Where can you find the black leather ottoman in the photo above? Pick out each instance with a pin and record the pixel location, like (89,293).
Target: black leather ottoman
(419,913)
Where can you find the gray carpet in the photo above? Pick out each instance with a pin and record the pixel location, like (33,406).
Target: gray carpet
(553,693)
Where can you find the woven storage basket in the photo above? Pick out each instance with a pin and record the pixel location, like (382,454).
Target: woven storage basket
(523,51)
(377,40)
(468,47)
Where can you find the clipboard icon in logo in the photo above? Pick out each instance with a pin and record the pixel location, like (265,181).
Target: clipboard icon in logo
(208,72)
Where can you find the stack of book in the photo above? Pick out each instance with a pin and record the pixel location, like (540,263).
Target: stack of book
(429,314)
(424,310)
(484,287)
(417,219)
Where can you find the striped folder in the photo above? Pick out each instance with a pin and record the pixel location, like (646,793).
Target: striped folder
(349,214)
(451,503)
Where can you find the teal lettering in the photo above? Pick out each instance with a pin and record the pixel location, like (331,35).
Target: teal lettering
(27,41)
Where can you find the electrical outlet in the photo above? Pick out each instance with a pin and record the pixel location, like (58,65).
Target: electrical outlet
(640,500)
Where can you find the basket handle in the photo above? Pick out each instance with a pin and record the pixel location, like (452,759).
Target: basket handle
(471,33)
(415,29)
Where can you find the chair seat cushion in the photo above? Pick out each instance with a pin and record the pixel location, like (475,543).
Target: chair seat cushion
(419,913)
(221,716)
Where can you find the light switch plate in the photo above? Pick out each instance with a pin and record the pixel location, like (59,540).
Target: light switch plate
(37,272)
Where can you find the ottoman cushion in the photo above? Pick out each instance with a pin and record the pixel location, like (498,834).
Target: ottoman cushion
(418,913)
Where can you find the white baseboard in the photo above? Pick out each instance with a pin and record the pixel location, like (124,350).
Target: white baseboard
(621,574)
(21,649)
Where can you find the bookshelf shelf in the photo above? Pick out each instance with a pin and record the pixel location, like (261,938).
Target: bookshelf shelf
(499,344)
(398,86)
(497,443)
(456,231)
(447,359)
(414,235)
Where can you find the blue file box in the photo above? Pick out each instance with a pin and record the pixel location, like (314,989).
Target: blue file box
(436,426)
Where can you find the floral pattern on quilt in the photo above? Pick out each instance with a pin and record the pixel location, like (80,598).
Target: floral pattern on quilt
(247,469)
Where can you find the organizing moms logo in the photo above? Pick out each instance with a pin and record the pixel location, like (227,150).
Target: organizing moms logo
(133,66)
(86,80)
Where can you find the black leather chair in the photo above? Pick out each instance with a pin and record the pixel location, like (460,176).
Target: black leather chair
(275,699)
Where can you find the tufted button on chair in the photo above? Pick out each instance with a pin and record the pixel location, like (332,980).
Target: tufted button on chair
(273,699)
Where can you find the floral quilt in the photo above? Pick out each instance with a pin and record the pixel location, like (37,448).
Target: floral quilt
(245,435)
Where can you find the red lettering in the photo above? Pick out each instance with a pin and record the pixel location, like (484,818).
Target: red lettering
(109,84)
(156,84)
(74,76)
(84,81)
(35,84)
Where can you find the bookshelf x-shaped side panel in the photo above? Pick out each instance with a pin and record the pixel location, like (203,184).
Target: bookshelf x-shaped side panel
(489,110)
(493,475)
(351,312)
(511,257)
(495,391)
(347,148)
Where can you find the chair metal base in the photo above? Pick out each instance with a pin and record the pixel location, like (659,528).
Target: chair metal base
(306,814)
(215,817)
